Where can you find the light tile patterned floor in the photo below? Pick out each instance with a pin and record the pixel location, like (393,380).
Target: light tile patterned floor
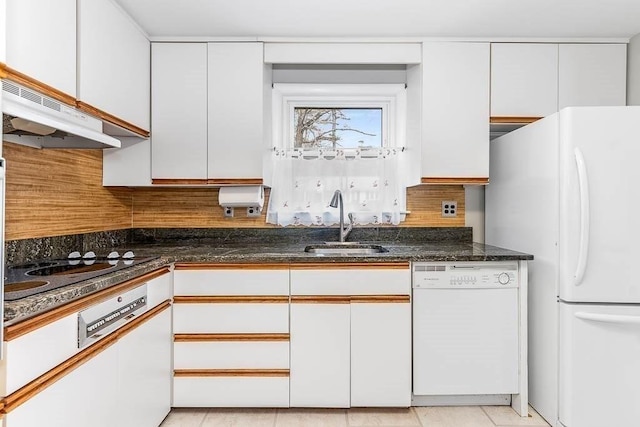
(443,416)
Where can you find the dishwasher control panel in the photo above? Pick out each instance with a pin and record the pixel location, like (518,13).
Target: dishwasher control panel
(465,275)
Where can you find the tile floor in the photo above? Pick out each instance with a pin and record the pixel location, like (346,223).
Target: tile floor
(444,416)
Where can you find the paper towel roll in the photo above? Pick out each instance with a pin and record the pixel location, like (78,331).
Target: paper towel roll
(241,196)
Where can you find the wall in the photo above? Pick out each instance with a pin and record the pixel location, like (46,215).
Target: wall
(633,71)
(58,192)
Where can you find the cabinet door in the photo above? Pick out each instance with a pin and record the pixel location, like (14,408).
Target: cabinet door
(592,75)
(41,41)
(145,373)
(381,354)
(85,397)
(455,125)
(121,86)
(238,79)
(179,110)
(320,356)
(524,79)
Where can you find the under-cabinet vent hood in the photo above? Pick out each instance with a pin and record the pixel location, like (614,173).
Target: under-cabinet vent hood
(29,118)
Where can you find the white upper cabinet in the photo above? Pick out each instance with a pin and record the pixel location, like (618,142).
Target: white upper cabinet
(239,84)
(179,110)
(41,41)
(113,62)
(592,75)
(455,111)
(524,79)
(342,53)
(3,31)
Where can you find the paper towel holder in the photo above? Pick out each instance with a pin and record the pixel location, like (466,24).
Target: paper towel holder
(250,197)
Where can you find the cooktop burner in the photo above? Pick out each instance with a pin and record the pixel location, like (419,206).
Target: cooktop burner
(39,276)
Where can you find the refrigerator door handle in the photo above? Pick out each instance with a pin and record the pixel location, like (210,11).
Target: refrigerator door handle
(583,182)
(608,318)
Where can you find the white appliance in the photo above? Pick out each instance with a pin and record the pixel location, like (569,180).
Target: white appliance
(30,118)
(465,330)
(565,189)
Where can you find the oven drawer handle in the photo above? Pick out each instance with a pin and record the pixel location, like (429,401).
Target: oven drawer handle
(609,318)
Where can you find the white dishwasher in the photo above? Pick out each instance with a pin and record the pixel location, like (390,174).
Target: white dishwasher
(465,328)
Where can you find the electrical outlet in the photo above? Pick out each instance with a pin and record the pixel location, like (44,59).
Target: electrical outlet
(253,211)
(228,212)
(449,209)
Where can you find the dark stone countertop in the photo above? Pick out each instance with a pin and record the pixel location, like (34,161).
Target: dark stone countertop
(269,246)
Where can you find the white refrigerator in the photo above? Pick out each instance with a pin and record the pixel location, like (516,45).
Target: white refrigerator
(567,190)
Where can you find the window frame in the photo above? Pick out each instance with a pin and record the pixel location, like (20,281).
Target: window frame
(391,98)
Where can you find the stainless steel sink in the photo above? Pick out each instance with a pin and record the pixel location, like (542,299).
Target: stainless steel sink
(347,248)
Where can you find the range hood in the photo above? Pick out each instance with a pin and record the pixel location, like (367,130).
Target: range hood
(29,118)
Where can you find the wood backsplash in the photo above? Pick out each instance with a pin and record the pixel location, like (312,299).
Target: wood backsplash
(58,192)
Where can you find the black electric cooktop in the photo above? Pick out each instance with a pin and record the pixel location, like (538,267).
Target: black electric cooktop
(40,276)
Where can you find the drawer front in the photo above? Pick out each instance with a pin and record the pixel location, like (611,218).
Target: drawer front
(231,355)
(271,392)
(231,318)
(232,282)
(159,289)
(344,281)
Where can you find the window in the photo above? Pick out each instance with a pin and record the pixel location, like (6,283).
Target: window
(336,128)
(346,137)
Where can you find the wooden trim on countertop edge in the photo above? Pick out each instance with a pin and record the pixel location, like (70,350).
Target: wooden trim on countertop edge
(229,266)
(36,85)
(391,299)
(229,337)
(320,299)
(90,109)
(513,119)
(454,181)
(231,373)
(400,265)
(50,377)
(231,299)
(30,324)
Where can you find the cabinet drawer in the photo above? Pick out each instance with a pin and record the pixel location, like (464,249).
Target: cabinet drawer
(231,317)
(231,355)
(238,281)
(231,392)
(342,280)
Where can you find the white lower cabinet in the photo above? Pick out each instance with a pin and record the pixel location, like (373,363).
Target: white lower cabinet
(144,373)
(351,335)
(231,335)
(380,354)
(320,354)
(87,396)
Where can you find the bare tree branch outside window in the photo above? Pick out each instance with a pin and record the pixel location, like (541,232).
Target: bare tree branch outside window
(337,127)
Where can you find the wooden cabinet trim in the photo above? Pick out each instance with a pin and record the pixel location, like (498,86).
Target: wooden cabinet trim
(238,266)
(231,299)
(400,265)
(320,299)
(512,119)
(229,337)
(454,181)
(203,181)
(26,392)
(112,119)
(231,373)
(181,181)
(391,299)
(36,85)
(17,330)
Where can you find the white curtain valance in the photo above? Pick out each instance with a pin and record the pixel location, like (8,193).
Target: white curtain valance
(304,181)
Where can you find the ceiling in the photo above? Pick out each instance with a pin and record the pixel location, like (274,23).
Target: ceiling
(387,18)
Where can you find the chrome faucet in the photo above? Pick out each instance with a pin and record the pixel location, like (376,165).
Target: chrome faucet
(336,201)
